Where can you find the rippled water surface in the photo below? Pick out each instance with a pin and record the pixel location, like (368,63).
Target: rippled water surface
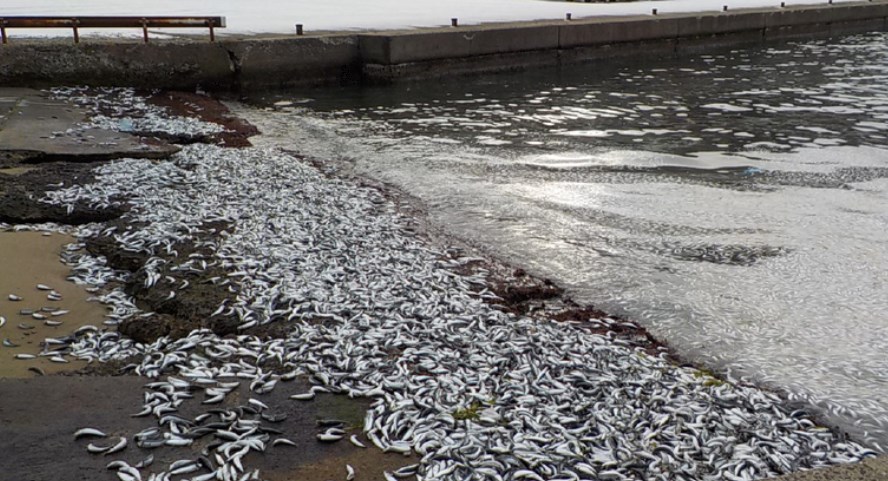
(736,203)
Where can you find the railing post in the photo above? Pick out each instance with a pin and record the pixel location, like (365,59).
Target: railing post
(212,32)
(3,31)
(74,22)
(145,29)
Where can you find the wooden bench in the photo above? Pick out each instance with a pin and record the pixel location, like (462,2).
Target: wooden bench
(144,23)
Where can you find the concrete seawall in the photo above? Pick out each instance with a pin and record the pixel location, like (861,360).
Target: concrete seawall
(342,58)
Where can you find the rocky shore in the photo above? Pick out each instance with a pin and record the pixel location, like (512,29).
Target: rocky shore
(265,313)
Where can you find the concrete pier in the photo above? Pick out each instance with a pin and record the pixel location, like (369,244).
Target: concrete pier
(344,58)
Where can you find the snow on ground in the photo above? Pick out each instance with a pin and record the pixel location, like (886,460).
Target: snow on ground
(280,16)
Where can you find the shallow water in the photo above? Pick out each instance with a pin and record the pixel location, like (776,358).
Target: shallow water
(735,203)
(31,258)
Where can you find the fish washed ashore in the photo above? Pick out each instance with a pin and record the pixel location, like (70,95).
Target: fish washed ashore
(239,276)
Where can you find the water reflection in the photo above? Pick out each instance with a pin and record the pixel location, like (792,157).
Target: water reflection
(733,202)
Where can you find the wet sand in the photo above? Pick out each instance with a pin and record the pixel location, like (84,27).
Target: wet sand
(15,171)
(28,259)
(38,418)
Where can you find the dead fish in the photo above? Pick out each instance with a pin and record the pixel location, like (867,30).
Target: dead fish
(178,442)
(38,316)
(25,356)
(60,312)
(349,473)
(259,404)
(84,329)
(273,418)
(8,343)
(180,463)
(205,477)
(97,449)
(26,312)
(145,462)
(119,446)
(331,435)
(84,432)
(25,326)
(399,447)
(144,412)
(118,464)
(43,287)
(406,471)
(330,423)
(188,468)
(354,440)
(13,297)
(283,441)
(37,370)
(52,323)
(2,321)
(129,474)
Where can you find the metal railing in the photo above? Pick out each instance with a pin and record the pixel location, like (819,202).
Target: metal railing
(144,23)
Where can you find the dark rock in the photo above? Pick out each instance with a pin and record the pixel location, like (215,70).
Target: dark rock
(147,329)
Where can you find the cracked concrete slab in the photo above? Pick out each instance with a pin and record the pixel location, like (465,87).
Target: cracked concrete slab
(35,128)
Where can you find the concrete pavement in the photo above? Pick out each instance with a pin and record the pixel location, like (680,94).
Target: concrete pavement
(875,469)
(35,128)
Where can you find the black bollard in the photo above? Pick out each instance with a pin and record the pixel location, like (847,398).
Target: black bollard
(454,22)
(298,29)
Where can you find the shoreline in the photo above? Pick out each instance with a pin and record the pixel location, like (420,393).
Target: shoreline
(544,300)
(465,280)
(339,58)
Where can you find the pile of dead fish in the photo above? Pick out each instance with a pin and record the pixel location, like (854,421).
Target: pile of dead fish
(123,110)
(475,393)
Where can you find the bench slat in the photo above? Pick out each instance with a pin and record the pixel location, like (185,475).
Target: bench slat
(111,22)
